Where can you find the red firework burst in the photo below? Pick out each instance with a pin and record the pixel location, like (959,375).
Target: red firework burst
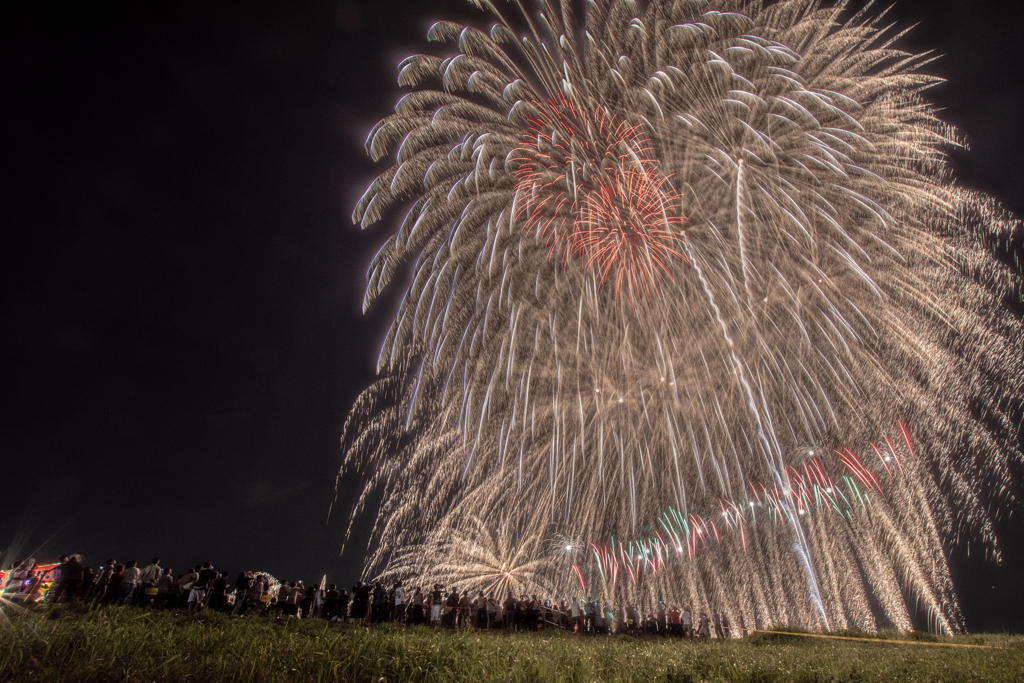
(587,187)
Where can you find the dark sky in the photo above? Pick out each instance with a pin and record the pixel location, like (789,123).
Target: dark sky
(180,320)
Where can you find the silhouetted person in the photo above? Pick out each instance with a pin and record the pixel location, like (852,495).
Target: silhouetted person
(380,603)
(717,616)
(243,582)
(343,603)
(114,585)
(661,616)
(308,598)
(55,577)
(398,598)
(703,629)
(147,581)
(68,582)
(99,591)
(129,582)
(217,598)
(436,600)
(360,600)
(163,586)
(331,602)
(417,606)
(200,588)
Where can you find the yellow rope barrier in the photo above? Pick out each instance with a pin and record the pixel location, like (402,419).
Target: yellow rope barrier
(865,640)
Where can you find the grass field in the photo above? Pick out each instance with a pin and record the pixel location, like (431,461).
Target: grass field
(116,644)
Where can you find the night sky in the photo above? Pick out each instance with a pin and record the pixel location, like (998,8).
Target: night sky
(181,323)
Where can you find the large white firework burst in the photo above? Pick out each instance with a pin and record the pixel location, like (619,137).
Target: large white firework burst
(683,259)
(491,558)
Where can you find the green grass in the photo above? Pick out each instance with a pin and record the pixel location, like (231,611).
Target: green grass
(115,644)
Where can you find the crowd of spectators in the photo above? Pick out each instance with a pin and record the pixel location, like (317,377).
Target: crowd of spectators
(373,603)
(254,594)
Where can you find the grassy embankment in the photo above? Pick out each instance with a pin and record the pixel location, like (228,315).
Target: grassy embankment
(116,644)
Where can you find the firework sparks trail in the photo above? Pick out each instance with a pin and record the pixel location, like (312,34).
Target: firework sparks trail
(697,257)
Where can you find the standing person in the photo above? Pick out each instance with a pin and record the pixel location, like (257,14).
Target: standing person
(398,613)
(417,607)
(54,591)
(352,600)
(661,617)
(687,620)
(265,601)
(294,598)
(611,623)
(509,612)
(599,625)
(242,583)
(726,626)
(591,615)
(632,618)
(480,606)
(380,603)
(73,575)
(15,578)
(31,590)
(358,603)
(67,585)
(452,609)
(200,588)
(297,598)
(703,629)
(674,621)
(717,616)
(163,588)
(185,584)
(174,590)
(129,582)
(217,599)
(308,599)
(343,602)
(55,579)
(743,624)
(88,581)
(253,594)
(492,610)
(465,610)
(331,602)
(114,585)
(99,590)
(284,598)
(435,605)
(367,618)
(574,616)
(320,601)
(147,580)
(30,580)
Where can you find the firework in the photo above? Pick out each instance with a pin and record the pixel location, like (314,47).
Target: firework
(681,260)
(475,556)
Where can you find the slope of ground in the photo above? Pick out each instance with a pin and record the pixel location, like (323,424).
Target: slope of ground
(118,644)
